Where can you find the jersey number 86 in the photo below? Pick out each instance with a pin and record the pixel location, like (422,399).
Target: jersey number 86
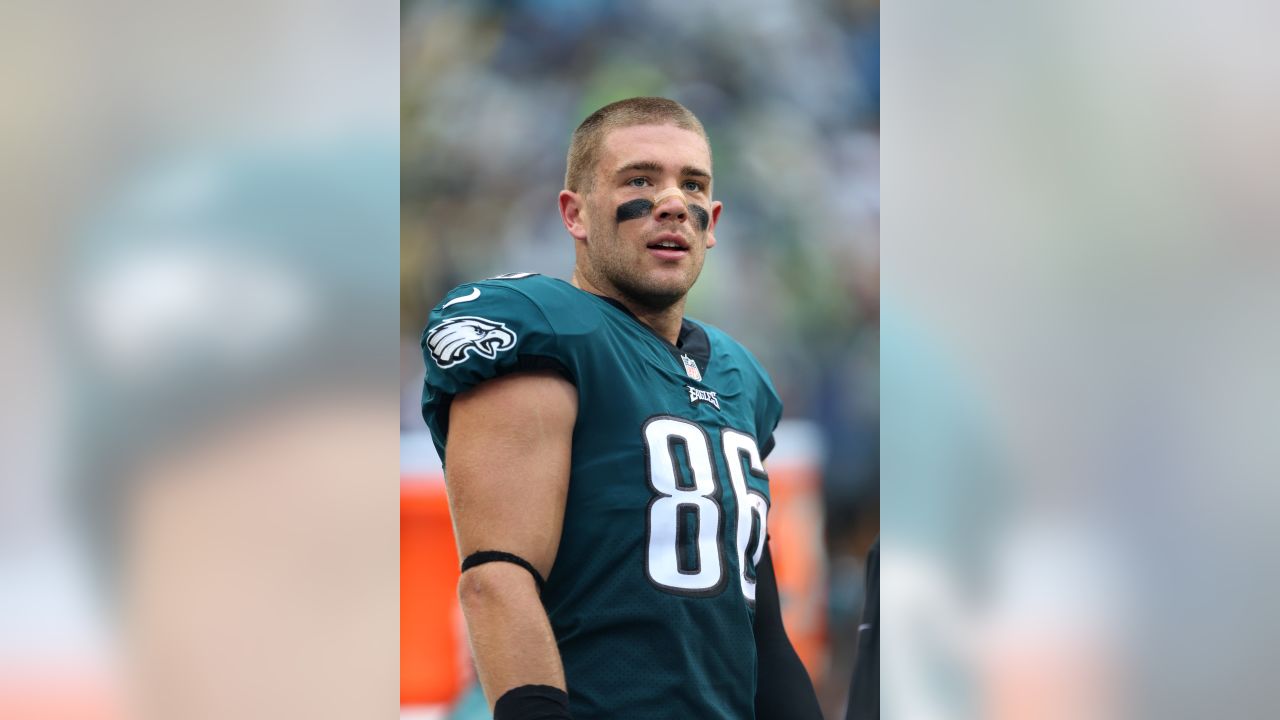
(685,553)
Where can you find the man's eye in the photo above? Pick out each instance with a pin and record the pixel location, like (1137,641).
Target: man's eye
(691,186)
(638,182)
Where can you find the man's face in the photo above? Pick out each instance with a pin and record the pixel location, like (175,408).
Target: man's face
(649,216)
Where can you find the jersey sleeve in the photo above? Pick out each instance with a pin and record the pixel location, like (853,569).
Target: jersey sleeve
(479,332)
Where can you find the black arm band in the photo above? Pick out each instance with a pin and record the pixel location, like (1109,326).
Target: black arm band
(487,556)
(532,702)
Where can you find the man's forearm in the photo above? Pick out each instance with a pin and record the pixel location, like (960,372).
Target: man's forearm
(511,638)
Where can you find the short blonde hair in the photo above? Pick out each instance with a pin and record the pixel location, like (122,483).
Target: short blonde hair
(584,148)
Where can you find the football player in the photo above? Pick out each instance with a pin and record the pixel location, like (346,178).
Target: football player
(604,456)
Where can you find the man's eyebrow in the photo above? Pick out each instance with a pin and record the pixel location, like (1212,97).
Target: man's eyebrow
(653,167)
(640,165)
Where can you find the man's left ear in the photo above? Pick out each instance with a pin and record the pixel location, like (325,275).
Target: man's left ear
(716,207)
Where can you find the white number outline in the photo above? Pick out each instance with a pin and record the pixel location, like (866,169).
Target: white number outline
(662,498)
(737,448)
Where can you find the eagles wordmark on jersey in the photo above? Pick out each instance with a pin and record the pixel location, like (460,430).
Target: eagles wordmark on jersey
(651,596)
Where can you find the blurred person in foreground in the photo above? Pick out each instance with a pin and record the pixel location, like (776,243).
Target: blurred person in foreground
(232,409)
(604,456)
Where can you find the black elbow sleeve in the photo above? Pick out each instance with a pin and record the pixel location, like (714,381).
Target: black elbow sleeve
(783,688)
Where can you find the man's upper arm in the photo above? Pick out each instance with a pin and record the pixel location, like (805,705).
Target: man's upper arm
(509,446)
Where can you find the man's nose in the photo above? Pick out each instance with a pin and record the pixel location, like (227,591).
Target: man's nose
(670,205)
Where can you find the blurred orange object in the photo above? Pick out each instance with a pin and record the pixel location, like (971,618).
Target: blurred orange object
(58,693)
(434,656)
(798,544)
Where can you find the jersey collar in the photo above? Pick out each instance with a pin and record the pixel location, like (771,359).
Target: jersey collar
(692,341)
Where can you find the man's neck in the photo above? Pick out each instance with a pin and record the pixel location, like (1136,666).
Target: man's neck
(666,322)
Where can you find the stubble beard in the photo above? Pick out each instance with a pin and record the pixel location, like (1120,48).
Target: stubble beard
(613,270)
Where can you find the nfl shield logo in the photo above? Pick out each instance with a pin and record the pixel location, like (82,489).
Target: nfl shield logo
(691,368)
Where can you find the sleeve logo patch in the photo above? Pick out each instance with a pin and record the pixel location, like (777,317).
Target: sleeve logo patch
(454,340)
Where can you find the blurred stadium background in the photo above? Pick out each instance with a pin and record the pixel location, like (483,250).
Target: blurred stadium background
(789,94)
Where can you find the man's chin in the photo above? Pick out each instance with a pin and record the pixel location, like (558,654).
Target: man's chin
(653,289)
(657,296)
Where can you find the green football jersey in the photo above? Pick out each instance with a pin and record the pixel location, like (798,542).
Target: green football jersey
(651,597)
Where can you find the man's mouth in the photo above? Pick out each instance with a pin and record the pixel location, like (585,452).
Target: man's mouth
(669,242)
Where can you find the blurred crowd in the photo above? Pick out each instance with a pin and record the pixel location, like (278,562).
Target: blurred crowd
(789,95)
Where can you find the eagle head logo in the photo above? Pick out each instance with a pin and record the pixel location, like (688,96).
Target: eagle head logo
(453,340)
